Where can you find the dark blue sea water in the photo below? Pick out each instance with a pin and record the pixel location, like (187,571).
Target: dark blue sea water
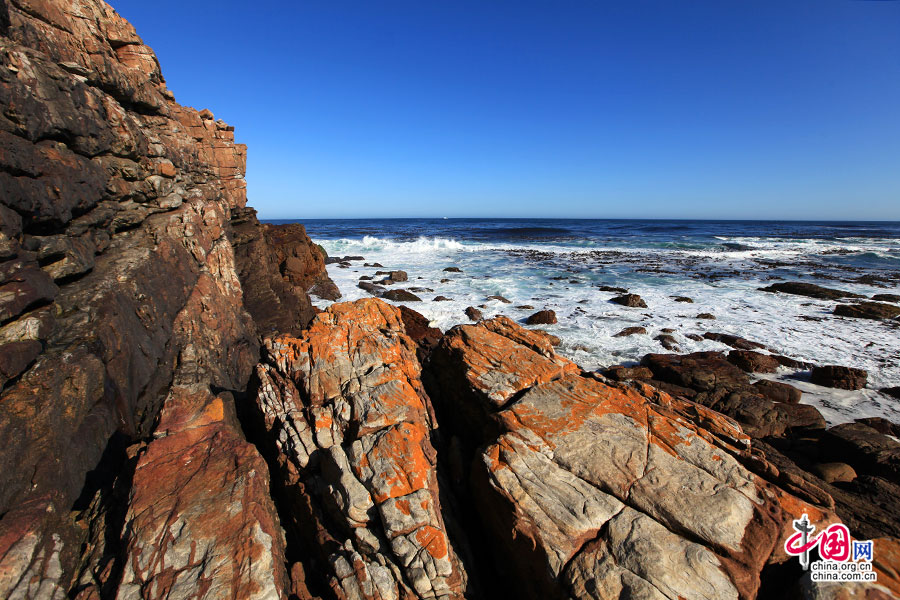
(568,265)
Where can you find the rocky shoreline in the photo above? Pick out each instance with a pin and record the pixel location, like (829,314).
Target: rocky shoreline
(178,419)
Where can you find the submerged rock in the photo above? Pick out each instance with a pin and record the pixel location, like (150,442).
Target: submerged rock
(868,310)
(630,300)
(809,290)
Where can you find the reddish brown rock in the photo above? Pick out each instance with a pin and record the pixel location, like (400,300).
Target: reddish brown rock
(868,310)
(350,424)
(542,317)
(753,362)
(630,300)
(200,521)
(586,485)
(473,313)
(628,331)
(810,290)
(733,340)
(668,342)
(778,391)
(400,296)
(621,373)
(300,261)
(834,376)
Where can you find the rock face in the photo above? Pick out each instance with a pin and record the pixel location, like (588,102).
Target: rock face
(119,285)
(300,262)
(542,317)
(846,378)
(584,485)
(630,300)
(345,410)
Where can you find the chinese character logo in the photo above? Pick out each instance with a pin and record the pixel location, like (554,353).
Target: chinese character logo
(842,557)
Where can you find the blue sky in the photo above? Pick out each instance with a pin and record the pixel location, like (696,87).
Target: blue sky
(643,109)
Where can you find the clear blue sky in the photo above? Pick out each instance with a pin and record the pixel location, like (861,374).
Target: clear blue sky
(645,109)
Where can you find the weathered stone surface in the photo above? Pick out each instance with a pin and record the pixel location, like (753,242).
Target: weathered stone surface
(200,522)
(275,301)
(345,409)
(601,490)
(835,376)
(420,331)
(621,373)
(399,296)
(630,300)
(868,310)
(810,290)
(300,261)
(473,313)
(753,362)
(542,317)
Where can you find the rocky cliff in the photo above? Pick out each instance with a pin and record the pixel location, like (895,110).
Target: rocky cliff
(178,420)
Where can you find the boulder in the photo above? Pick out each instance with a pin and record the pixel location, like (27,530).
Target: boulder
(474,314)
(778,391)
(895,298)
(834,376)
(708,316)
(622,373)
(542,317)
(684,299)
(349,423)
(868,310)
(500,299)
(420,331)
(668,342)
(452,270)
(630,300)
(441,299)
(629,331)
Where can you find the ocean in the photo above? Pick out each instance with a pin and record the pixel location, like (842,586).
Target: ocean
(563,265)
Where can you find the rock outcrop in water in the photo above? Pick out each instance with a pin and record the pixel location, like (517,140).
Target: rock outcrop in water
(178,420)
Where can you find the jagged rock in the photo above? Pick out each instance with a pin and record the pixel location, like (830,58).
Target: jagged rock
(809,290)
(374,289)
(895,298)
(716,383)
(753,362)
(628,331)
(600,490)
(684,299)
(630,300)
(200,520)
(834,376)
(868,310)
(542,317)
(474,314)
(345,410)
(864,448)
(452,270)
(441,299)
(500,299)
